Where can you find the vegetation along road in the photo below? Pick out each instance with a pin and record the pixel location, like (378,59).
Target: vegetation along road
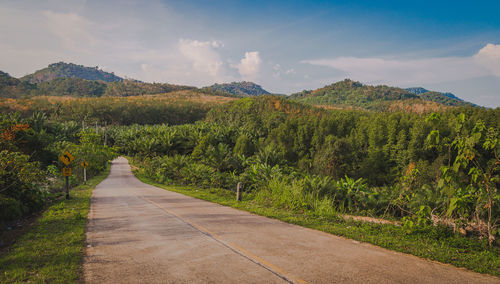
(140,233)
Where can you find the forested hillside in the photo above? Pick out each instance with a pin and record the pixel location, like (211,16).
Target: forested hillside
(70,70)
(348,93)
(420,90)
(242,89)
(448,99)
(11,87)
(134,88)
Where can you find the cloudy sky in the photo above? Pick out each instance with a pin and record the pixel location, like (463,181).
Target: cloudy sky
(286,46)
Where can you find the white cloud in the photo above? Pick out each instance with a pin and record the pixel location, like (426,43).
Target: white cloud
(278,71)
(249,65)
(417,71)
(203,55)
(489,56)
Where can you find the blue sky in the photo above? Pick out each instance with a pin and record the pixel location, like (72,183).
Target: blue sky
(286,46)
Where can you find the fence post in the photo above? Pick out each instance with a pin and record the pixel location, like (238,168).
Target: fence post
(238,192)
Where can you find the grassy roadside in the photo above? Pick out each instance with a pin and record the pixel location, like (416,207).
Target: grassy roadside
(432,243)
(52,250)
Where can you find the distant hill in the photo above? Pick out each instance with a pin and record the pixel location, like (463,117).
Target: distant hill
(11,87)
(68,79)
(448,99)
(75,87)
(244,89)
(70,70)
(134,88)
(348,94)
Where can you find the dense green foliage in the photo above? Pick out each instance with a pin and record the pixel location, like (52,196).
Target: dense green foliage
(243,89)
(421,91)
(70,87)
(70,70)
(11,87)
(297,157)
(135,88)
(443,99)
(349,93)
(51,251)
(171,109)
(29,166)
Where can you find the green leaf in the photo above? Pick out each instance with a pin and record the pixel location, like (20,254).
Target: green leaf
(441,183)
(452,206)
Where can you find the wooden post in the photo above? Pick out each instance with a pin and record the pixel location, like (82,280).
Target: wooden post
(238,192)
(67,187)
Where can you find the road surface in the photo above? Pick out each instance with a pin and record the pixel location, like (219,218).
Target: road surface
(138,233)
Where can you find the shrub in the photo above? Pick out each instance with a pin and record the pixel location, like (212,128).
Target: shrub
(22,183)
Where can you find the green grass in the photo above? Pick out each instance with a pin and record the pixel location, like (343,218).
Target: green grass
(435,243)
(52,250)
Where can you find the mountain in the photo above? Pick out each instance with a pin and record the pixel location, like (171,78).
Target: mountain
(448,99)
(70,70)
(75,87)
(11,87)
(348,94)
(68,79)
(243,89)
(452,96)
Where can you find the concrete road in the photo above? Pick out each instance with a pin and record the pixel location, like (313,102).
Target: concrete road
(139,233)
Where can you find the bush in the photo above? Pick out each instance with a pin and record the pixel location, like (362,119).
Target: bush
(22,184)
(10,209)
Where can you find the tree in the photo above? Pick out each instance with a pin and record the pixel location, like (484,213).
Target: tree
(472,180)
